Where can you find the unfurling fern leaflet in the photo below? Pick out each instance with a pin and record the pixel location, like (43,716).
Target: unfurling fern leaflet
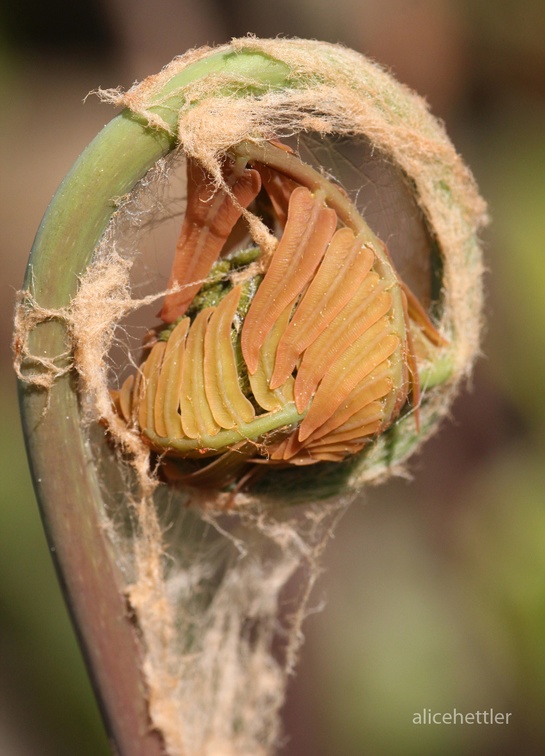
(295,357)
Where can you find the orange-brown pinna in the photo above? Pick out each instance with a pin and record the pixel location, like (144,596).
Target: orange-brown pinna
(298,356)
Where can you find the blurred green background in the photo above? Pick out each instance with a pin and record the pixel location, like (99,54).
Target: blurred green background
(435,588)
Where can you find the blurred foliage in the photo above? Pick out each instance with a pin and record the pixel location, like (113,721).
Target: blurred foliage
(417,619)
(407,646)
(516,155)
(504,564)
